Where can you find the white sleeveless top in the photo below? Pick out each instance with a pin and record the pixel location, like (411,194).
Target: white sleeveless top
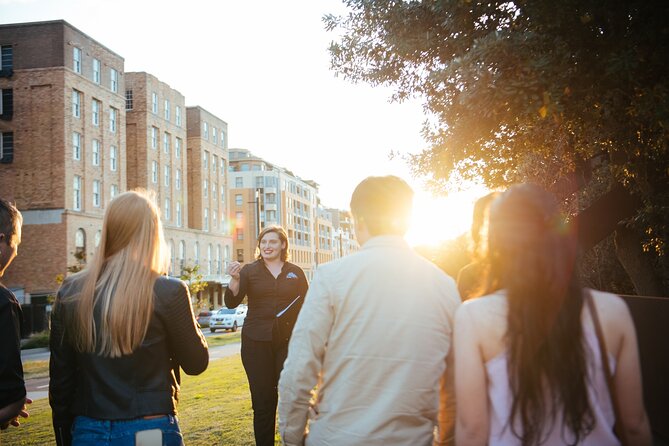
(500,399)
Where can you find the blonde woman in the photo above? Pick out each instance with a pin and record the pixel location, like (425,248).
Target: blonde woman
(120,331)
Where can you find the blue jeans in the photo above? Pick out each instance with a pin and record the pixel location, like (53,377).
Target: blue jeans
(93,432)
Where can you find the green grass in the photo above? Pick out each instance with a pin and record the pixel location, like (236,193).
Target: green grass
(224,338)
(215,408)
(36,369)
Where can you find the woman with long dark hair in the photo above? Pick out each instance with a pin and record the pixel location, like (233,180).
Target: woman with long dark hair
(120,332)
(528,368)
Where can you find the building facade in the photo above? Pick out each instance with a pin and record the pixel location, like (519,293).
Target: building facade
(63,145)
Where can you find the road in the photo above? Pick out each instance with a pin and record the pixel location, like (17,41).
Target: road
(39,387)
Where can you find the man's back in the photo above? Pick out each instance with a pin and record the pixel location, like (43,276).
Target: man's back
(377,326)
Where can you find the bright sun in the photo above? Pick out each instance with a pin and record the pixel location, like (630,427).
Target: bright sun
(437,219)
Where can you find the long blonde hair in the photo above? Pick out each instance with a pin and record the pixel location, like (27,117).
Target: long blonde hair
(121,277)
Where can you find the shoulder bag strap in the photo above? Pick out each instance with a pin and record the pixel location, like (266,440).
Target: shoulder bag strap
(607,368)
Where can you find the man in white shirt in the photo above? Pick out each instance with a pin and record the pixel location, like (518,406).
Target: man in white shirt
(375,335)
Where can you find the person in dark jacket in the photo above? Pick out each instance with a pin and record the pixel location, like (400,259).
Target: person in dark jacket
(120,333)
(12,387)
(275,289)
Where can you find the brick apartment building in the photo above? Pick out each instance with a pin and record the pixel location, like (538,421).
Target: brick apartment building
(76,130)
(63,145)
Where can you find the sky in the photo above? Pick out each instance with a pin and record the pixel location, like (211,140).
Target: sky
(263,67)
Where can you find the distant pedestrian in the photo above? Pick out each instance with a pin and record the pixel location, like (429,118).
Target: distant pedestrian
(275,289)
(471,278)
(375,336)
(120,332)
(12,387)
(527,357)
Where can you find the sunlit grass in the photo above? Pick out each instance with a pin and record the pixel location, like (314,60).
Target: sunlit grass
(36,369)
(224,339)
(214,408)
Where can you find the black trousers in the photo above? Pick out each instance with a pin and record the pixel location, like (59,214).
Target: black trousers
(263,362)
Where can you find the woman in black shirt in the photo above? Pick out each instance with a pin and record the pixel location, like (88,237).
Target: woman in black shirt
(275,290)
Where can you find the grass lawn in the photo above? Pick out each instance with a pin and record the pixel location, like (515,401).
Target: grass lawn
(36,369)
(224,338)
(215,408)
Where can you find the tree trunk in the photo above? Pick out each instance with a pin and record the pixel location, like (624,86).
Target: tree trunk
(639,265)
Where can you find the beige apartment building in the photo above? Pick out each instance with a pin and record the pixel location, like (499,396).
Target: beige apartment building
(63,155)
(263,194)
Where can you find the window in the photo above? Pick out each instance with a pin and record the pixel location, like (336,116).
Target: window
(113,113)
(77,193)
(166,142)
(113,191)
(154,172)
(177,115)
(167,109)
(214,163)
(206,188)
(182,253)
(222,166)
(239,182)
(239,216)
(206,219)
(112,158)
(113,80)
(197,253)
(271,215)
(76,145)
(96,71)
(239,200)
(96,152)
(209,252)
(214,135)
(76,104)
(168,212)
(205,160)
(76,60)
(7,103)
(128,100)
(179,213)
(222,139)
(177,148)
(80,244)
(6,147)
(218,259)
(260,182)
(95,114)
(214,190)
(154,103)
(96,193)
(206,131)
(240,234)
(222,193)
(6,60)
(167,175)
(154,138)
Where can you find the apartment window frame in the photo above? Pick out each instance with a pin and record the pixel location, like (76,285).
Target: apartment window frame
(239,199)
(177,147)
(6,147)
(177,115)
(179,215)
(96,193)
(76,146)
(95,112)
(214,135)
(76,59)
(239,182)
(113,80)
(154,102)
(113,155)
(166,112)
(205,131)
(95,151)
(206,219)
(168,211)
(76,103)
(205,160)
(167,176)
(154,137)
(97,73)
(76,191)
(154,172)
(205,188)
(113,119)
(177,179)
(113,191)
(6,103)
(166,142)
(129,101)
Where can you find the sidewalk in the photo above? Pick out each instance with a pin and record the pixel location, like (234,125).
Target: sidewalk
(38,388)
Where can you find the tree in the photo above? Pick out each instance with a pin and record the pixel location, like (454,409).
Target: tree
(533,90)
(193,278)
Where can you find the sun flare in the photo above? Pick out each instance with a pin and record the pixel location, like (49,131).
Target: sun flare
(437,219)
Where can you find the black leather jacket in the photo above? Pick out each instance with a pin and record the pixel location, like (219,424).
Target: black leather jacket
(143,383)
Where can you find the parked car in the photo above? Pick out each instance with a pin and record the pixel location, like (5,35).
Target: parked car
(203,318)
(228,318)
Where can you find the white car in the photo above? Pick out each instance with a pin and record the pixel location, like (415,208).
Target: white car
(228,318)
